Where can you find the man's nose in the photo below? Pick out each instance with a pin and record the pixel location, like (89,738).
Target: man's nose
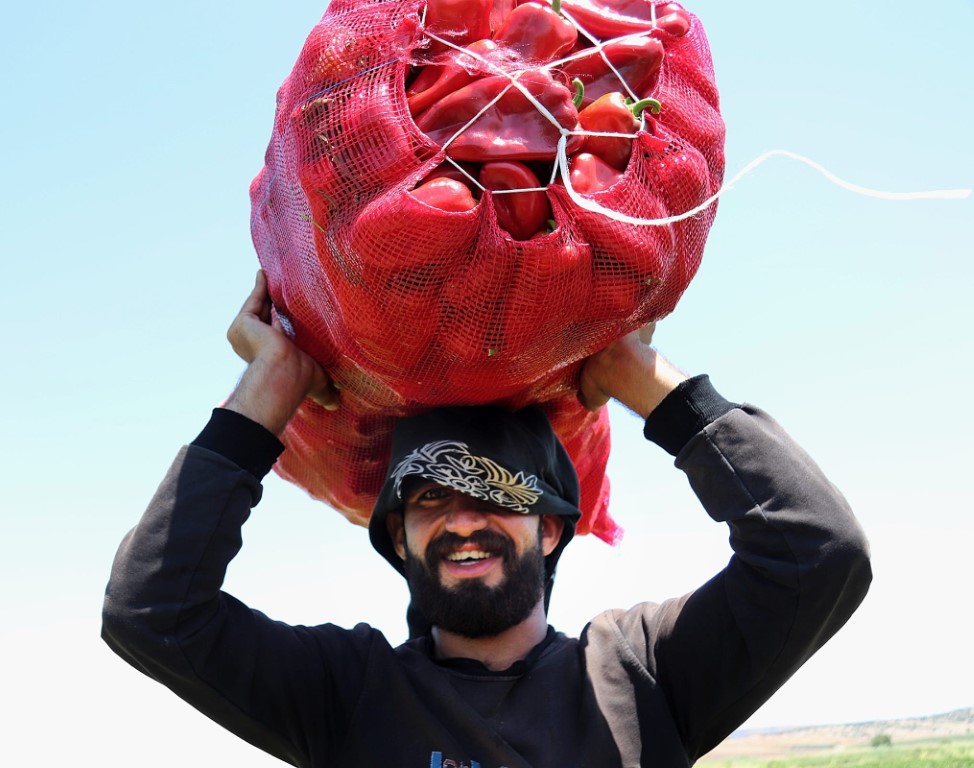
(465,516)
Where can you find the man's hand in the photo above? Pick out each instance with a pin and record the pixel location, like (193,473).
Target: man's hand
(279,375)
(630,371)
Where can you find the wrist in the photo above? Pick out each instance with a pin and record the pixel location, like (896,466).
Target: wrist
(270,392)
(646,378)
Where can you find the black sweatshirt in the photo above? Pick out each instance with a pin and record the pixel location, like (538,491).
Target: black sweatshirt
(656,685)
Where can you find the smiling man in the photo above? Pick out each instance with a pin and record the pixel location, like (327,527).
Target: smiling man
(476,509)
(477,539)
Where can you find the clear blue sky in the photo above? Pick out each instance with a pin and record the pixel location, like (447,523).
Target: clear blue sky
(131,134)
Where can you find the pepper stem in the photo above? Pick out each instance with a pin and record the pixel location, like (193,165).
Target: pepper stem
(653,105)
(556,6)
(579,96)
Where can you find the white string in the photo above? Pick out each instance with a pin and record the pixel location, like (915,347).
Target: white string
(941,194)
(594,207)
(515,191)
(463,170)
(611,134)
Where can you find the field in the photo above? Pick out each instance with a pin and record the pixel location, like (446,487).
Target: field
(938,741)
(946,753)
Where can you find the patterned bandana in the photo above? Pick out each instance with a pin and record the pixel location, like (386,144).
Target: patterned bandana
(451,463)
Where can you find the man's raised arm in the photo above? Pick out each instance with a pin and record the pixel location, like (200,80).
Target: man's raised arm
(800,565)
(165,612)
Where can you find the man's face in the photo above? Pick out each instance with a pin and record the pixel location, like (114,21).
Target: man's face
(474,568)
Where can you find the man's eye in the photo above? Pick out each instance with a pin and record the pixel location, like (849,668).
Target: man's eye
(434,493)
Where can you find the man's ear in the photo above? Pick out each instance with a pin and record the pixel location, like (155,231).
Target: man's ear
(397,533)
(551,530)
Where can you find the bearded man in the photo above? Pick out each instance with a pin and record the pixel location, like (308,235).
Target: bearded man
(476,509)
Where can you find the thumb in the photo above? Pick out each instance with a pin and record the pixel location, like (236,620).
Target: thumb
(323,390)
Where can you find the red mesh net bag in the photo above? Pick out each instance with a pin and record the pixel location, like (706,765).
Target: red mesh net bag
(463,200)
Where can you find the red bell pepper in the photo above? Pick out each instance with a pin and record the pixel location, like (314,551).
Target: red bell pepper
(673,19)
(446,194)
(616,18)
(611,114)
(335,54)
(521,214)
(500,11)
(390,298)
(679,173)
(473,299)
(537,33)
(443,77)
(398,231)
(589,173)
(636,59)
(459,21)
(510,129)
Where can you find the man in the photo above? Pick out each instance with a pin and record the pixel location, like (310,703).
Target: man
(476,509)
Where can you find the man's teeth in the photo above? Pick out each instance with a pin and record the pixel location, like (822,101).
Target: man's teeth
(460,557)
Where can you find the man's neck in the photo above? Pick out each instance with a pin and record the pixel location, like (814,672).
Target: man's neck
(499,652)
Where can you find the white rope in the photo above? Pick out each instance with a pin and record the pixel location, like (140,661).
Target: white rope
(515,191)
(594,207)
(940,194)
(464,171)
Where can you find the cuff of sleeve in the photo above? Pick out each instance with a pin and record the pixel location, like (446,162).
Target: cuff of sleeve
(245,442)
(684,412)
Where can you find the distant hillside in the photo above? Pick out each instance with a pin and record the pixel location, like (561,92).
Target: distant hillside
(772,743)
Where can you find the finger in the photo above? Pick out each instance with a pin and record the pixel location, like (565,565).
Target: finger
(255,303)
(646,333)
(592,401)
(324,392)
(589,394)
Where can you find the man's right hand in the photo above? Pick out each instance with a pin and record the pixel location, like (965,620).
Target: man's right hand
(631,371)
(279,375)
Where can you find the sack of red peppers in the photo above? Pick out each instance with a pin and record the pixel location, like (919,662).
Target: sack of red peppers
(463,199)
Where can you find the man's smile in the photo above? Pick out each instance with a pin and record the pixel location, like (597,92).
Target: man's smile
(470,560)
(466,557)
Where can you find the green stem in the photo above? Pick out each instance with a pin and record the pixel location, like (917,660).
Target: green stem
(556,6)
(579,96)
(652,105)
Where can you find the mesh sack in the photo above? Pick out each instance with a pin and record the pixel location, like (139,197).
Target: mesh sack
(408,306)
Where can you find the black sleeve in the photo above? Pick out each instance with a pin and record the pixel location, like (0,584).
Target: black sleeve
(800,568)
(246,443)
(684,412)
(287,690)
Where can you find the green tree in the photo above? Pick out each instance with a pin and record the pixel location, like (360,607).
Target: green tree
(881,740)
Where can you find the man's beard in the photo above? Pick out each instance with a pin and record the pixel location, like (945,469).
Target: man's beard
(471,608)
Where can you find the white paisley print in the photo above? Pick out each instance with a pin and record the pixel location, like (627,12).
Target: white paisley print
(451,464)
